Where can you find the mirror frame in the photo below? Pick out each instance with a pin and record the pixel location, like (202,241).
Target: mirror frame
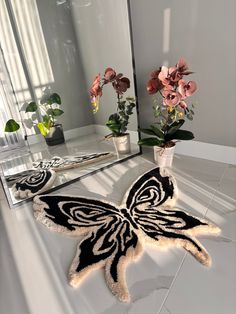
(24,201)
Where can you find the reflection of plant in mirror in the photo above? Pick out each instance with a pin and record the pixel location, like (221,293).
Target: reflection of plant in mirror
(170,114)
(118,121)
(48,109)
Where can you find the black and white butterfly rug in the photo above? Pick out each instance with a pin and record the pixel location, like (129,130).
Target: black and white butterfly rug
(116,235)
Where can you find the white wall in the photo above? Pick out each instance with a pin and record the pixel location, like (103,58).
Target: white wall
(66,63)
(102,31)
(204,33)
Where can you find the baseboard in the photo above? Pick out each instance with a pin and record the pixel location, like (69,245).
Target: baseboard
(82,131)
(73,133)
(214,152)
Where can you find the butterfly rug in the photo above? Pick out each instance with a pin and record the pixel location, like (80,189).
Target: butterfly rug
(115,235)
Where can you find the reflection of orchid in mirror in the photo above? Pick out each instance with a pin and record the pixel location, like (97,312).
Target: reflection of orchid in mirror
(171,112)
(118,121)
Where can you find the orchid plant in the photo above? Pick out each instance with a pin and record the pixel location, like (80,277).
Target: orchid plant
(118,121)
(171,112)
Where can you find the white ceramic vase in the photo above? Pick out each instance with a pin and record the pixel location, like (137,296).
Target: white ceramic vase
(164,156)
(122,143)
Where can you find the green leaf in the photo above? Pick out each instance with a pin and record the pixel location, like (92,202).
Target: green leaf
(192,112)
(11,126)
(175,126)
(182,135)
(34,117)
(121,105)
(122,114)
(157,132)
(42,128)
(150,141)
(114,123)
(129,112)
(114,117)
(57,112)
(190,117)
(31,107)
(55,99)
(147,131)
(50,112)
(123,128)
(115,128)
(130,99)
(47,120)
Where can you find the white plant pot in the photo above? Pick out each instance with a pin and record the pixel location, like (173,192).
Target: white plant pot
(122,143)
(164,156)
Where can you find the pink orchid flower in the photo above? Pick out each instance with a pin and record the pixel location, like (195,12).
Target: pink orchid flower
(155,73)
(182,65)
(171,98)
(109,75)
(183,104)
(186,89)
(96,89)
(154,85)
(169,76)
(164,76)
(174,75)
(121,85)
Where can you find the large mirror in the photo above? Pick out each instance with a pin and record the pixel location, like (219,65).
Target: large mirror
(51,53)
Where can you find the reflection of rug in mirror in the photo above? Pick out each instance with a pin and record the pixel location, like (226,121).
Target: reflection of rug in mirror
(37,182)
(115,235)
(12,178)
(68,162)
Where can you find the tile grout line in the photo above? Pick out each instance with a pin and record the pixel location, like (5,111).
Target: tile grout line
(180,267)
(215,191)
(214,194)
(176,275)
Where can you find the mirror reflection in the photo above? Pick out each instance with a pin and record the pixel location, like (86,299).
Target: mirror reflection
(67,87)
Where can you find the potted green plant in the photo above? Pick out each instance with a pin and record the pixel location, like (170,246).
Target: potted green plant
(118,121)
(171,112)
(49,109)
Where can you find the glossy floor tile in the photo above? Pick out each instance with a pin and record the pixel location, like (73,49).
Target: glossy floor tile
(12,297)
(195,288)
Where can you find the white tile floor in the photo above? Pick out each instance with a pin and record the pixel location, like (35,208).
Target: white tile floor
(195,289)
(207,189)
(161,281)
